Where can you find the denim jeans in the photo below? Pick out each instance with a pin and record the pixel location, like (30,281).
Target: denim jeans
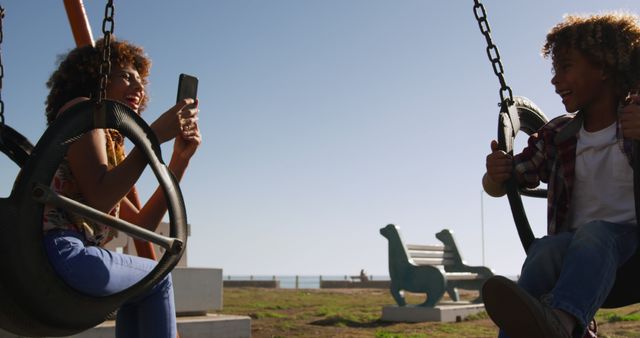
(574,271)
(98,272)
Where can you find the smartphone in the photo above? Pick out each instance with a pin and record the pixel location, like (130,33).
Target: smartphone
(187,87)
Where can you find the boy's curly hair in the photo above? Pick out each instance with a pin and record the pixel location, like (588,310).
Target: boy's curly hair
(78,73)
(611,40)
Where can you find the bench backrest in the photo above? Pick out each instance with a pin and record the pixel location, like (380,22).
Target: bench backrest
(437,255)
(445,256)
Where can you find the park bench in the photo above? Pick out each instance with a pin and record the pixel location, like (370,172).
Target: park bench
(430,269)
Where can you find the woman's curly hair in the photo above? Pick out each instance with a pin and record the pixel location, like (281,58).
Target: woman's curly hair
(78,73)
(611,40)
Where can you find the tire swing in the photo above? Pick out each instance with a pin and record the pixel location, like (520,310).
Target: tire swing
(35,302)
(519,114)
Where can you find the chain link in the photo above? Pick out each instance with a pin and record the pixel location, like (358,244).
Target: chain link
(492,52)
(1,70)
(105,66)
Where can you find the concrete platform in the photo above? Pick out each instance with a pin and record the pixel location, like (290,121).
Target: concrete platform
(211,325)
(197,291)
(443,312)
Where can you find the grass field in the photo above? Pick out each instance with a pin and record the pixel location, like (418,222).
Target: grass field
(356,313)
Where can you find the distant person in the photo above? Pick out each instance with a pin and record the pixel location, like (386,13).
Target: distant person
(585,157)
(363,276)
(97,172)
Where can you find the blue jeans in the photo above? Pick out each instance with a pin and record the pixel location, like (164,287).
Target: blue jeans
(98,272)
(574,271)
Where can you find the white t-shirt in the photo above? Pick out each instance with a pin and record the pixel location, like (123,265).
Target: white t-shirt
(603,188)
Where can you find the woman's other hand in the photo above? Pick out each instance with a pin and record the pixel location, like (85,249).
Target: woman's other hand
(169,124)
(190,138)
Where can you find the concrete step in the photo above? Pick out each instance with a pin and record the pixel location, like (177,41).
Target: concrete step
(442,312)
(210,325)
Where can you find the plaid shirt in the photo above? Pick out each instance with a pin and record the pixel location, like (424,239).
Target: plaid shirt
(550,157)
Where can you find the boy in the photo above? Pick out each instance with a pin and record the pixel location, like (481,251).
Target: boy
(585,157)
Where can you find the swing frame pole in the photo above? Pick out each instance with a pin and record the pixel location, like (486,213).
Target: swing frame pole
(78,22)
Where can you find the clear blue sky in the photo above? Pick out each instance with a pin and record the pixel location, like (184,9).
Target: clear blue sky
(323,120)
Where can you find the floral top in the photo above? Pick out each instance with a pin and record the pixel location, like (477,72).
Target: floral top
(65,184)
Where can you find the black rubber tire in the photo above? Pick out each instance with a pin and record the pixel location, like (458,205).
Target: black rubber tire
(40,304)
(528,118)
(14,145)
(531,119)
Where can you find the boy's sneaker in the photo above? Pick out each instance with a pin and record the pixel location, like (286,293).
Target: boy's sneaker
(518,313)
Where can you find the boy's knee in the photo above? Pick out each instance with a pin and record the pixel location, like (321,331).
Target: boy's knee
(550,247)
(546,255)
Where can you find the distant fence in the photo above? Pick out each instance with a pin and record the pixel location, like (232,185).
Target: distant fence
(305,282)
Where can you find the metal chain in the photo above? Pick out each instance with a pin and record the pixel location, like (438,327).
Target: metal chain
(492,51)
(1,70)
(105,66)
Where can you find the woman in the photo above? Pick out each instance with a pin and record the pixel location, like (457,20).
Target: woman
(96,172)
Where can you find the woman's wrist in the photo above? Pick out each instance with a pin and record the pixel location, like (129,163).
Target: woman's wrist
(178,165)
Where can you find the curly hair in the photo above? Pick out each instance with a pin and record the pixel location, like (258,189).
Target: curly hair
(78,73)
(611,40)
